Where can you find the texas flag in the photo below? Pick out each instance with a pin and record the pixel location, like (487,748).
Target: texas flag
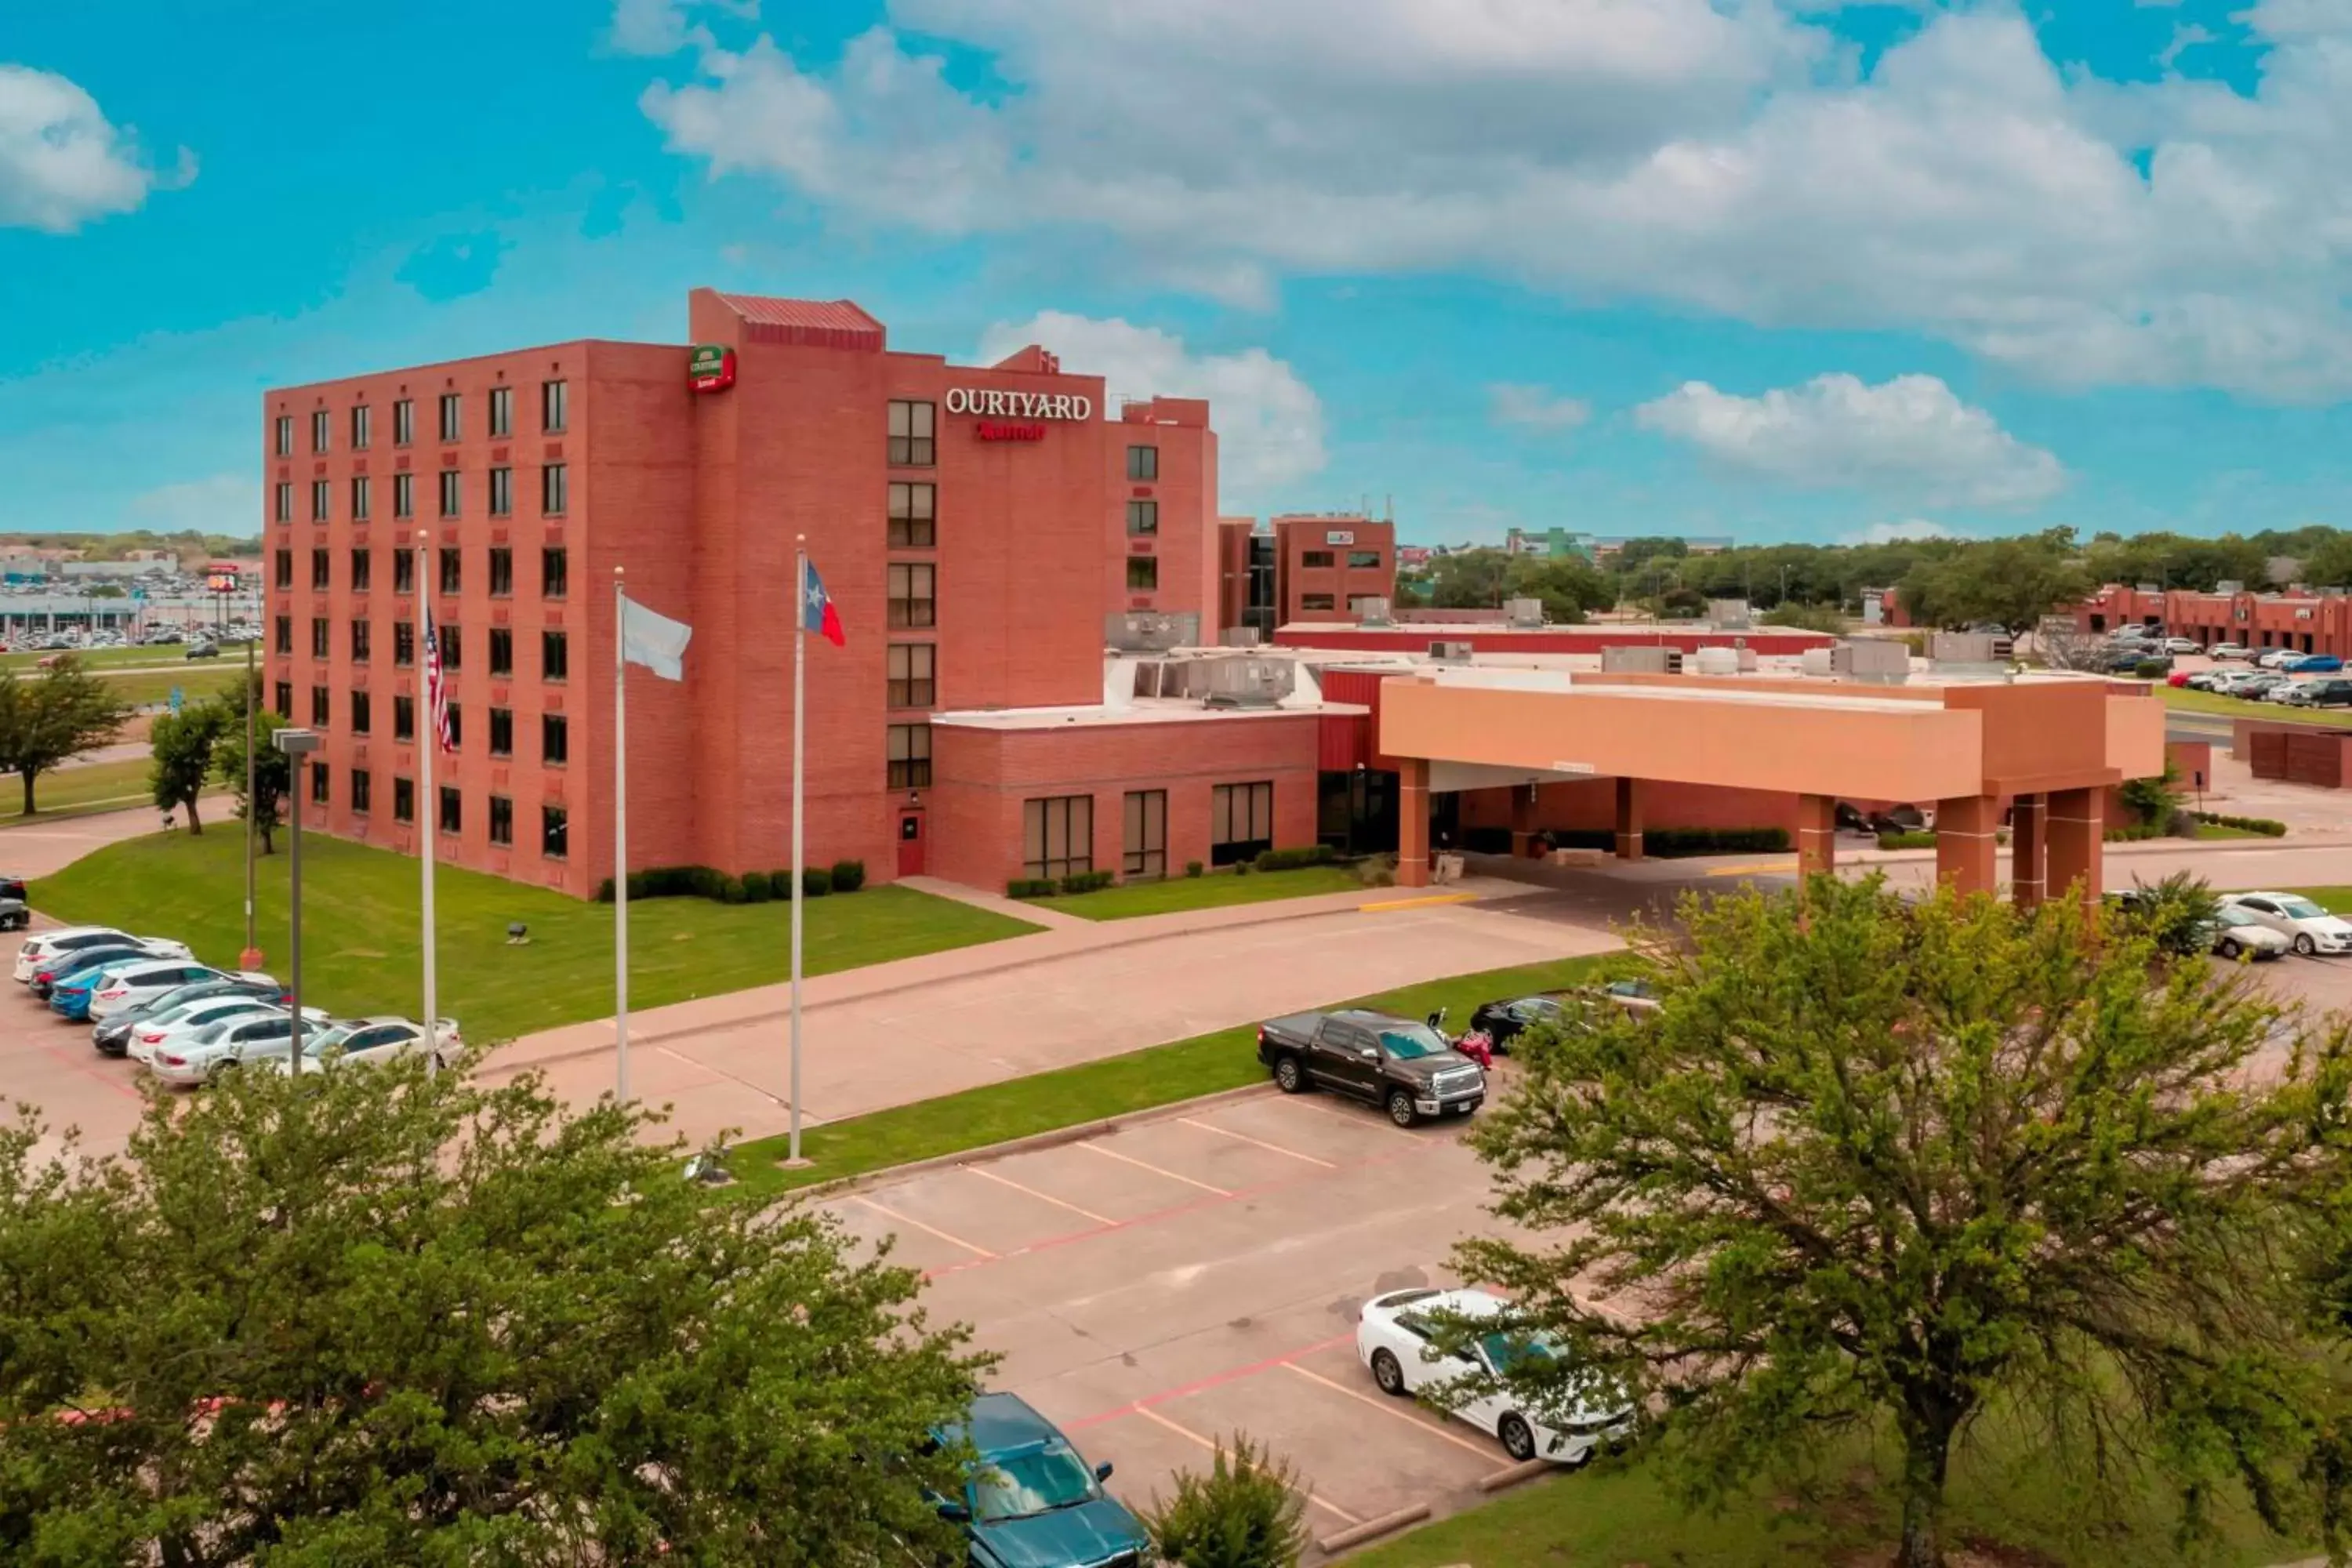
(817,614)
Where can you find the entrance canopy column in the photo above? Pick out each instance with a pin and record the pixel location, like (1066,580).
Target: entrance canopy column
(1523,821)
(1629,819)
(1413,822)
(2027,834)
(1816,834)
(2077,839)
(1967,836)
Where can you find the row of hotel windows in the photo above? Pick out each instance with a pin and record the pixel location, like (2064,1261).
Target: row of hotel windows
(554,728)
(554,416)
(1357,560)
(913,442)
(554,571)
(1358,603)
(1057,832)
(914,517)
(554,495)
(554,648)
(554,821)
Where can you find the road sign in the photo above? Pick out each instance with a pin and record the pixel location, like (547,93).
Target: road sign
(177,699)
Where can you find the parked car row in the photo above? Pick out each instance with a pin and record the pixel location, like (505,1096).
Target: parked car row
(2273,686)
(148,999)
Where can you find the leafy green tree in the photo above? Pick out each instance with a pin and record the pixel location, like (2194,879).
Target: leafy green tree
(1808,617)
(2328,563)
(2177,914)
(2010,582)
(1248,1511)
(52,717)
(370,1317)
(1469,580)
(273,771)
(1881,1164)
(184,743)
(1568,586)
(1636,552)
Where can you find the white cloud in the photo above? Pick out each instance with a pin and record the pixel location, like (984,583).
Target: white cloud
(663,27)
(62,162)
(220,503)
(1909,437)
(1270,422)
(1515,404)
(1724,157)
(1894,532)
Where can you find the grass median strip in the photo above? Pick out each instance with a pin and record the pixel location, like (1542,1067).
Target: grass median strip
(1212,890)
(1113,1086)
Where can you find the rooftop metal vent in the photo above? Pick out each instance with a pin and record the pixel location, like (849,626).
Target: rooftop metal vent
(1523,612)
(1145,631)
(1247,682)
(1459,652)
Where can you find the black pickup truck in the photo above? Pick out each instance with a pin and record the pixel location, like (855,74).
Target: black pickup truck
(1407,1069)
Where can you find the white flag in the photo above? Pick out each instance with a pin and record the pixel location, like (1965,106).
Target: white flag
(654,641)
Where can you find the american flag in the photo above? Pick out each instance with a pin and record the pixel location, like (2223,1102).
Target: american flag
(436,684)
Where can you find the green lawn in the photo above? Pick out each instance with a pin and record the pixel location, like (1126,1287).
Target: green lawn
(361,947)
(102,659)
(196,682)
(2239,708)
(2016,1511)
(1211,891)
(1116,1086)
(2336,900)
(2213,830)
(101,787)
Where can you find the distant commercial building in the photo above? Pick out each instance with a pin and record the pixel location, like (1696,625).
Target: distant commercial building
(2307,620)
(1332,567)
(1557,543)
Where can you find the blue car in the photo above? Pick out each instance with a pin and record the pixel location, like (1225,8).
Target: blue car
(2313,664)
(1033,1503)
(62,966)
(72,984)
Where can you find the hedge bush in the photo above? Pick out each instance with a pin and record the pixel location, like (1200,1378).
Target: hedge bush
(733,892)
(2268,828)
(849,875)
(1293,859)
(758,888)
(1919,838)
(2137,830)
(751,887)
(1086,881)
(1192,869)
(1030,888)
(816,881)
(1673,843)
(2152,669)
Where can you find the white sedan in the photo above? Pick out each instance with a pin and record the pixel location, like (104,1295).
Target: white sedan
(2310,928)
(2237,931)
(51,942)
(1395,1335)
(135,984)
(227,1045)
(369,1042)
(186,1022)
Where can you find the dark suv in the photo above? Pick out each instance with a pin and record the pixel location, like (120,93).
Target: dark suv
(1408,1070)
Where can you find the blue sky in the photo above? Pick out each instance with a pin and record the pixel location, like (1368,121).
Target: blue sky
(1630,265)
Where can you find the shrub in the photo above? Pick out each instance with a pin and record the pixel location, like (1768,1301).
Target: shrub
(731,890)
(1192,867)
(604,890)
(2178,913)
(1086,881)
(2181,824)
(1029,888)
(1921,839)
(849,875)
(705,882)
(1380,871)
(2150,800)
(2137,831)
(816,882)
(2152,668)
(782,882)
(1293,859)
(1248,1511)
(1672,843)
(758,888)
(2269,827)
(1241,868)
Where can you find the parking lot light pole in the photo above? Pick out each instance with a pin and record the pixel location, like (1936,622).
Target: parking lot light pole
(251,957)
(297,745)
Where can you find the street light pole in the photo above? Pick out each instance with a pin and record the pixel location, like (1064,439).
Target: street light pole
(297,745)
(251,957)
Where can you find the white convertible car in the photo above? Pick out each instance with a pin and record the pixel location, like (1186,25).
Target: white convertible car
(1396,1334)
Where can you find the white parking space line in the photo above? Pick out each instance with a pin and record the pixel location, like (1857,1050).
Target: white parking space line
(1270,1148)
(897,1218)
(1333,1509)
(1394,1410)
(1155,1170)
(1042,1198)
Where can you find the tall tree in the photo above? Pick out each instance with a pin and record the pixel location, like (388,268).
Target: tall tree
(1884,1165)
(374,1316)
(50,718)
(272,772)
(2012,582)
(1469,579)
(184,743)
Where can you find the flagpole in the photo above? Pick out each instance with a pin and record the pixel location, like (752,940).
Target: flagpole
(428,738)
(620,837)
(800,661)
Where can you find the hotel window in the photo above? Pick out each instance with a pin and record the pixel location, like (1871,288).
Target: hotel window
(554,738)
(554,406)
(1146,816)
(359,498)
(912,523)
(362,426)
(501,652)
(453,811)
(404,571)
(360,792)
(1142,518)
(284,702)
(322,494)
(912,596)
(501,492)
(452,569)
(1057,836)
(502,411)
(456,715)
(321,426)
(403,799)
(1316,602)
(554,826)
(554,656)
(282,506)
(554,572)
(321,569)
(1241,821)
(403,422)
(284,567)
(403,718)
(318,794)
(452,645)
(910,674)
(501,820)
(502,731)
(1315,558)
(501,572)
(320,699)
(1363,560)
(1143,573)
(1143,462)
(363,569)
(322,638)
(404,644)
(284,443)
(909,747)
(453,423)
(284,643)
(359,642)
(403,495)
(554,489)
(363,713)
(911,444)
(453,491)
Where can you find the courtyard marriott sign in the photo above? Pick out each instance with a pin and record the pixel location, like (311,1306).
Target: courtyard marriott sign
(995,405)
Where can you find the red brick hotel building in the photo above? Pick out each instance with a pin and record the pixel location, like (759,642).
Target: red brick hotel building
(974,524)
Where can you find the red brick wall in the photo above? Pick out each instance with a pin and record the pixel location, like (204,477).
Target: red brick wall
(1296,536)
(1591,804)
(1186,492)
(1563,639)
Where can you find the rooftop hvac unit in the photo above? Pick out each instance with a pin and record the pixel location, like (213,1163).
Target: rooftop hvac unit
(1248,683)
(1146,631)
(1643,659)
(1372,610)
(1456,651)
(1523,612)
(1716,661)
(1875,659)
(2228,585)
(1728,615)
(1147,678)
(1239,636)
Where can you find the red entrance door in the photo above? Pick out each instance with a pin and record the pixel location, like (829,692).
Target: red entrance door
(910,844)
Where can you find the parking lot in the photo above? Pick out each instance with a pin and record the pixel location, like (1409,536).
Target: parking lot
(1158,1288)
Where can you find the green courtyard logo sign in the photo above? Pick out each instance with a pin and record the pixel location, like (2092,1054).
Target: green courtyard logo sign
(711,367)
